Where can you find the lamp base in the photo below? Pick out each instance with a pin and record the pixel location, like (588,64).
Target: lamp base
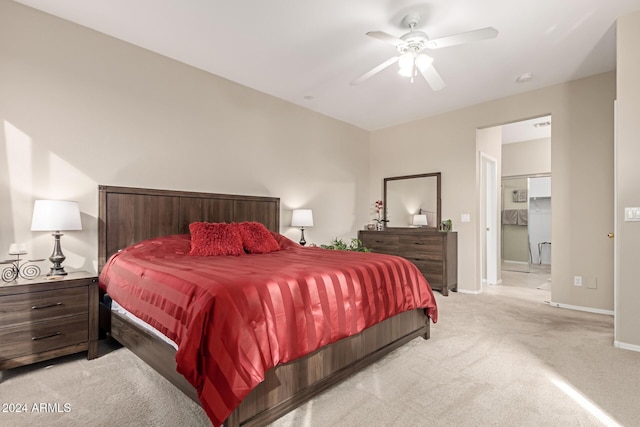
(302,241)
(57,257)
(57,271)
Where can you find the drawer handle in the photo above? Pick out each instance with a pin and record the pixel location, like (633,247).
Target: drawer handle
(55,334)
(38,307)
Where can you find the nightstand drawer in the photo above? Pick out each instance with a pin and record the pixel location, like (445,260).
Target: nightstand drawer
(35,306)
(37,337)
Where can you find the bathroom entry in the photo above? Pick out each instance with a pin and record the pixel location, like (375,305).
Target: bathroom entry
(526,222)
(516,250)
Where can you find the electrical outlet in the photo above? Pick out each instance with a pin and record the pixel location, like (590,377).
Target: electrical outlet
(577,280)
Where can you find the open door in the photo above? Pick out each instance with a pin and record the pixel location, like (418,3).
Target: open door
(489,218)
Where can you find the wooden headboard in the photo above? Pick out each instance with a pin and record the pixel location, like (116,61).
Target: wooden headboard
(128,215)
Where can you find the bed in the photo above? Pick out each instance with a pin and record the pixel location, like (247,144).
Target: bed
(128,216)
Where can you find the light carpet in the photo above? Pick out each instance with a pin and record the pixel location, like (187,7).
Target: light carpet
(503,358)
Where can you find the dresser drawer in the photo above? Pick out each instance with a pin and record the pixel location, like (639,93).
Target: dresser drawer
(432,270)
(45,335)
(36,306)
(381,242)
(421,245)
(420,254)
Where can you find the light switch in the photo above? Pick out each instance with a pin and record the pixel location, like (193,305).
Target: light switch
(465,217)
(632,214)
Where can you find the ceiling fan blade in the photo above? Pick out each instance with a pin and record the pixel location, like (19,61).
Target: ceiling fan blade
(374,70)
(432,77)
(381,35)
(469,36)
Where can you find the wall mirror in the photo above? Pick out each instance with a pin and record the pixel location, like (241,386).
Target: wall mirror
(412,199)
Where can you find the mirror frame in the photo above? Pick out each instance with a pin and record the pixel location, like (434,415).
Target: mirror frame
(438,195)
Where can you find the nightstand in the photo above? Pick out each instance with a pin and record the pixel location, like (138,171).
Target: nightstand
(45,318)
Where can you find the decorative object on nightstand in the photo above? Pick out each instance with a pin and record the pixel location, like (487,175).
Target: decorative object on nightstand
(419,219)
(26,269)
(56,216)
(302,218)
(48,317)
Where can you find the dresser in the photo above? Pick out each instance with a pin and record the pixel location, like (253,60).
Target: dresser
(434,253)
(45,318)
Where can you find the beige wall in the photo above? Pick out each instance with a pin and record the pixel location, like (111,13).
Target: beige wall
(581,166)
(527,157)
(627,332)
(78,109)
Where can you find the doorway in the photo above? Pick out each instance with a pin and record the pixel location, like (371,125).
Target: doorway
(515,150)
(526,241)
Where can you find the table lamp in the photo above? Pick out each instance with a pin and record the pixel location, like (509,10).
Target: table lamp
(56,216)
(302,218)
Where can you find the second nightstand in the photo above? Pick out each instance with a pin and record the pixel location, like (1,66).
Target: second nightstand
(45,318)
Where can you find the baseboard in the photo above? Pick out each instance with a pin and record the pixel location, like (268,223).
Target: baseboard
(466,291)
(580,308)
(626,346)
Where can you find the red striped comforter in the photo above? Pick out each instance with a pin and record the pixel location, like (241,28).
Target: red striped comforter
(234,318)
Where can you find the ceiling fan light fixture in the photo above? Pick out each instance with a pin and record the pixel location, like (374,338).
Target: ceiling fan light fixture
(406,62)
(423,61)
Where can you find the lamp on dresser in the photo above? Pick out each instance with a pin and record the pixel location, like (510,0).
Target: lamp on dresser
(419,219)
(302,218)
(56,216)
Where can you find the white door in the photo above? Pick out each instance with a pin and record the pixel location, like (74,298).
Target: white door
(489,212)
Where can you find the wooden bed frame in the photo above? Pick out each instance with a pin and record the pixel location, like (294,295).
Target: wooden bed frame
(129,215)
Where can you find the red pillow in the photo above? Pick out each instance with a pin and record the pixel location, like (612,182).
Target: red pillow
(257,239)
(212,238)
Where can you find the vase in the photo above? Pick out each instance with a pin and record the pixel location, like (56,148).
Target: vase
(379,226)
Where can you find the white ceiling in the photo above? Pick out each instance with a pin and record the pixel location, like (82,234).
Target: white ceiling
(296,50)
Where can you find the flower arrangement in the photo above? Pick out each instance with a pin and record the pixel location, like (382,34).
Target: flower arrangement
(378,209)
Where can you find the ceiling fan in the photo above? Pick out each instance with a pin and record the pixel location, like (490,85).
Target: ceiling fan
(411,57)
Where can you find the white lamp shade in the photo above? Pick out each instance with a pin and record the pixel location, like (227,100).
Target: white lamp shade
(55,215)
(302,218)
(420,220)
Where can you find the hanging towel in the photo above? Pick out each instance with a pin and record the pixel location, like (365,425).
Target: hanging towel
(523,216)
(519,196)
(510,216)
